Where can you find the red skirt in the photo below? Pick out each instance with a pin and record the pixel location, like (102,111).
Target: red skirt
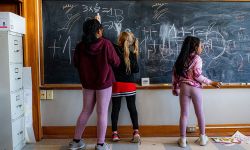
(123,89)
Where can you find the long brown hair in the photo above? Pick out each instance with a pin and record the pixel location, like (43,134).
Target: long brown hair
(189,46)
(126,40)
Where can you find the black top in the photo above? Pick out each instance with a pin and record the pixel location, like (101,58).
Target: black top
(120,73)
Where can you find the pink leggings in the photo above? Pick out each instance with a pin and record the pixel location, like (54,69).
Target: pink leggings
(91,97)
(188,93)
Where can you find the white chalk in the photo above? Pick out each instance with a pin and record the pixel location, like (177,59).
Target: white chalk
(98,17)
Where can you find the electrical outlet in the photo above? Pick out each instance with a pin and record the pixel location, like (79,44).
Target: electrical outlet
(49,94)
(42,94)
(191,129)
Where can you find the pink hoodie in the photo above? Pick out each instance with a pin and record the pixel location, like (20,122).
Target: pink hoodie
(193,75)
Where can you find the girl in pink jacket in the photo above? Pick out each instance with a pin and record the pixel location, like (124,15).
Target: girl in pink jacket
(187,83)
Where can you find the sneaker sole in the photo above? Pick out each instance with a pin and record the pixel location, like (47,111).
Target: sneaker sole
(116,140)
(108,147)
(136,140)
(203,144)
(182,146)
(79,148)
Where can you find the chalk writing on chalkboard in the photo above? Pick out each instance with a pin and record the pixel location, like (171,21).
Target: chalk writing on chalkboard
(160,27)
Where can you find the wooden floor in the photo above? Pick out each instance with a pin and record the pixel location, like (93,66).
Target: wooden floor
(147,144)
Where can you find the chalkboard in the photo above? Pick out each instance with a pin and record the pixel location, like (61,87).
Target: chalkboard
(161,27)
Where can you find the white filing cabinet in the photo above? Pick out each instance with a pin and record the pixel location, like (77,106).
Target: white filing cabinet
(11,90)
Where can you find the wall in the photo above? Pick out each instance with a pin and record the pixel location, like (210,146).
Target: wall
(155,107)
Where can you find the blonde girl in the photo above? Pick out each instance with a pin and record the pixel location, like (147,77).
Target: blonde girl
(127,49)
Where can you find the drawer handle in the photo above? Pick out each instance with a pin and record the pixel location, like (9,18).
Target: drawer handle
(19,106)
(18,78)
(21,132)
(15,42)
(17,97)
(16,70)
(16,51)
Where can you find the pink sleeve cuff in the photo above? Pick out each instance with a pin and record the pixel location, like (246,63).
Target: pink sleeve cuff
(203,79)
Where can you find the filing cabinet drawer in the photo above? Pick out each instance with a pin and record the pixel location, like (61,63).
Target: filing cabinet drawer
(12,112)
(18,131)
(20,145)
(17,104)
(15,49)
(16,79)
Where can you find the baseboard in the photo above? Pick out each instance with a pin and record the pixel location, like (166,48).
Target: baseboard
(146,131)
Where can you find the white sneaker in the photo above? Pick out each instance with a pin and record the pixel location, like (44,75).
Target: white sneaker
(182,142)
(104,147)
(203,140)
(75,146)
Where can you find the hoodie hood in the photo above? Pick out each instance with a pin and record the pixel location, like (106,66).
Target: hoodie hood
(95,48)
(102,56)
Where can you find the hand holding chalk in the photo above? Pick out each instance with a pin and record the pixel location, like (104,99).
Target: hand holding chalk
(98,17)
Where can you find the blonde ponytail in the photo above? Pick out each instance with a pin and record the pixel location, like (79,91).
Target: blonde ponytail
(126,55)
(126,39)
(136,47)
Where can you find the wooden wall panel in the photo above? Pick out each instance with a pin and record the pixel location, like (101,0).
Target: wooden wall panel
(146,131)
(9,8)
(31,12)
(14,6)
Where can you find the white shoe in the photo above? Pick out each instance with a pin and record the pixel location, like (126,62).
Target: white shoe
(203,140)
(182,142)
(75,146)
(104,147)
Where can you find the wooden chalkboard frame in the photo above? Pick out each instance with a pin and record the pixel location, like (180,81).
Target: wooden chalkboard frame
(150,87)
